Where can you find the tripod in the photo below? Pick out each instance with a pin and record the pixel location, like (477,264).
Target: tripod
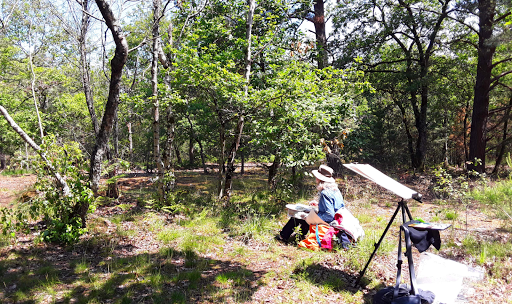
(402,205)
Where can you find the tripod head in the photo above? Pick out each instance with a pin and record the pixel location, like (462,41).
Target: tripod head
(416,196)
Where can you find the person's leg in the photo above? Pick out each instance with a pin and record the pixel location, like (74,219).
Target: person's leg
(290,227)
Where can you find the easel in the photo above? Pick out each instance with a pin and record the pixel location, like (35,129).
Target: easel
(385,181)
(402,205)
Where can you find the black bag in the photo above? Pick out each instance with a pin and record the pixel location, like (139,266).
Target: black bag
(401,294)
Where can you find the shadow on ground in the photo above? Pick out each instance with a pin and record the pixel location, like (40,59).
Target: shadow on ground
(334,279)
(50,274)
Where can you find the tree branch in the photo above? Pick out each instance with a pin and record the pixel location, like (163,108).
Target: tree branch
(27,139)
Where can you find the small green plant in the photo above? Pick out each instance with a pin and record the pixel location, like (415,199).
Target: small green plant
(451,215)
(64,215)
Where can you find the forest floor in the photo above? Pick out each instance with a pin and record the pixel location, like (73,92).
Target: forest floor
(133,254)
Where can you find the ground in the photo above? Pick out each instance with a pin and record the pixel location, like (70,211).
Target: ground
(254,270)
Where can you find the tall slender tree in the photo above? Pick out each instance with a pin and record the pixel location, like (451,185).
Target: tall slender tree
(117,63)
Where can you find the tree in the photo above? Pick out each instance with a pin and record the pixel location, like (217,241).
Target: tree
(489,16)
(117,63)
(396,41)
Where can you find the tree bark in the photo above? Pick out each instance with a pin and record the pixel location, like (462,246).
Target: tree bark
(486,49)
(117,64)
(321,37)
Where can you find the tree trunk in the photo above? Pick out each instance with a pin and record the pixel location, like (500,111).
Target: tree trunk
(241,116)
(503,145)
(242,162)
(421,126)
(130,140)
(33,82)
(486,48)
(178,154)
(169,177)
(465,137)
(272,171)
(191,152)
(201,152)
(117,64)
(84,66)
(156,105)
(321,38)
(222,171)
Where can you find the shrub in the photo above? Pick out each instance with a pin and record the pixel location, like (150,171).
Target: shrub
(64,216)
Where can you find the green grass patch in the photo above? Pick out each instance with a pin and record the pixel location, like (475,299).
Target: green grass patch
(168,235)
(498,198)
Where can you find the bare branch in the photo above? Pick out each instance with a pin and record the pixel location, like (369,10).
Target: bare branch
(138,46)
(500,62)
(28,140)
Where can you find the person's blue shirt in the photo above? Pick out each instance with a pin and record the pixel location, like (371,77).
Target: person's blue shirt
(328,203)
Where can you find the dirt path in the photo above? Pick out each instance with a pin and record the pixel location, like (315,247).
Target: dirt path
(13,186)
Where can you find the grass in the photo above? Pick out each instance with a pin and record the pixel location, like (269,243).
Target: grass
(15,172)
(498,198)
(215,251)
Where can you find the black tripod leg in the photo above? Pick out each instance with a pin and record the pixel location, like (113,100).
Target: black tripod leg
(408,212)
(361,274)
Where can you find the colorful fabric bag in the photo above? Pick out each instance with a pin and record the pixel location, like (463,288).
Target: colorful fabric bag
(314,239)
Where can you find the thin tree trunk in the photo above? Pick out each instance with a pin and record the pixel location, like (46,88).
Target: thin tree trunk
(29,141)
(272,171)
(169,178)
(201,152)
(33,81)
(156,105)
(446,139)
(203,158)
(465,135)
(242,162)
(178,154)
(191,152)
(222,171)
(228,176)
(117,64)
(130,139)
(503,145)
(407,131)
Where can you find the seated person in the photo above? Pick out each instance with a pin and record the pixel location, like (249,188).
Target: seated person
(329,200)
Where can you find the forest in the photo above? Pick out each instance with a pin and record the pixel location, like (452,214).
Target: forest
(149,147)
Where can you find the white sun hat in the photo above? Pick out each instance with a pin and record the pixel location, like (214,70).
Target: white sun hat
(324,173)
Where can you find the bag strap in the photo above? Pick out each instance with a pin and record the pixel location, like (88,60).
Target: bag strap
(398,265)
(410,261)
(408,252)
(318,237)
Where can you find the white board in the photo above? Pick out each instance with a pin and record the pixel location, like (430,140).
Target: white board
(382,179)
